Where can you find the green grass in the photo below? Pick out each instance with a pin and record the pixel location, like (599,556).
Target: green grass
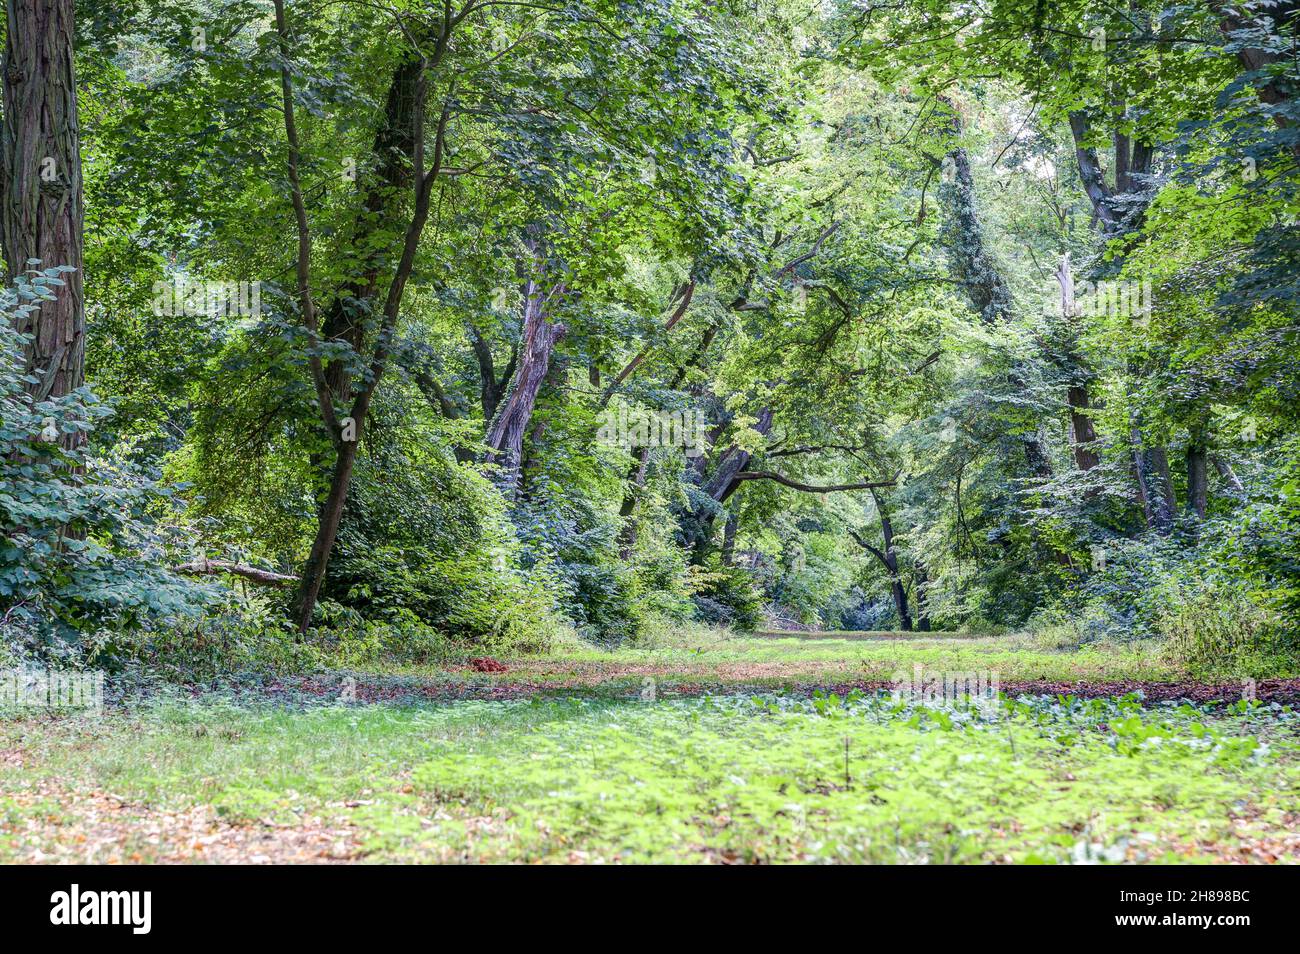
(725,778)
(774,660)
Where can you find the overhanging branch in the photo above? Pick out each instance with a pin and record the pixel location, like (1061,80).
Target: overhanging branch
(808,488)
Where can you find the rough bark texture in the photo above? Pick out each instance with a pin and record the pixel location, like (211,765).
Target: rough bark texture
(505,438)
(1164,503)
(1091,175)
(42,210)
(968,254)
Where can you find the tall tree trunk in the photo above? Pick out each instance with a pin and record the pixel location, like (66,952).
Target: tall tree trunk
(729,537)
(971,261)
(974,267)
(1141,476)
(346,435)
(41,209)
(381,194)
(697,522)
(888,558)
(505,438)
(1164,503)
(331,514)
(1083,433)
(921,583)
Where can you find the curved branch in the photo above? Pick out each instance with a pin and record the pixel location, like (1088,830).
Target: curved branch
(808,488)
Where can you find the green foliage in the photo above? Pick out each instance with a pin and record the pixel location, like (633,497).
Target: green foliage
(426,546)
(726,595)
(82,539)
(771,778)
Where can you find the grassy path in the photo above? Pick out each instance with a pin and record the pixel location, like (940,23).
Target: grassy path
(567,762)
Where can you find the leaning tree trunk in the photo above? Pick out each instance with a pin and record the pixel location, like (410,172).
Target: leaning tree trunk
(505,438)
(696,526)
(42,211)
(896,587)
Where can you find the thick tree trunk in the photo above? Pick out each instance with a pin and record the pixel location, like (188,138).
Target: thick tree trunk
(41,209)
(505,438)
(1276,91)
(1083,434)
(1142,477)
(1164,503)
(729,537)
(971,261)
(381,194)
(697,522)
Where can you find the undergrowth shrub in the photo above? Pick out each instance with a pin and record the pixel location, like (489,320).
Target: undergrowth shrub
(426,550)
(726,595)
(83,551)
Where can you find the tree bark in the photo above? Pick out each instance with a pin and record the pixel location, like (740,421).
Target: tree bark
(347,444)
(1083,434)
(922,583)
(253,573)
(1091,175)
(505,438)
(888,558)
(42,210)
(729,537)
(1164,504)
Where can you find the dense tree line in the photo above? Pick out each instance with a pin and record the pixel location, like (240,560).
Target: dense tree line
(419,323)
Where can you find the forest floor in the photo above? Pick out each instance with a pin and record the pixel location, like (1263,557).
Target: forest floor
(769,748)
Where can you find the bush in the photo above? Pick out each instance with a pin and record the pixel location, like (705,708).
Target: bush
(425,548)
(726,596)
(82,556)
(1213,629)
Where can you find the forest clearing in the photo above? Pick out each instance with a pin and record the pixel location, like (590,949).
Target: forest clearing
(746,750)
(692,431)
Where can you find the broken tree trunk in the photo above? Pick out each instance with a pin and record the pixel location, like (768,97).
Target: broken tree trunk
(505,438)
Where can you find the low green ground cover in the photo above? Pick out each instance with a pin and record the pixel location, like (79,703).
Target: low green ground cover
(715,778)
